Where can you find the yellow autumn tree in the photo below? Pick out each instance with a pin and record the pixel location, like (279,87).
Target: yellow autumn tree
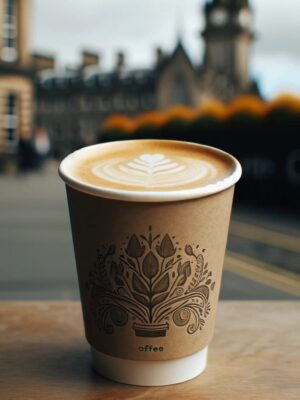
(180,112)
(119,122)
(246,105)
(150,118)
(287,101)
(211,108)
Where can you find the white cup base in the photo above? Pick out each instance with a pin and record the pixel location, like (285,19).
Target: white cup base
(149,373)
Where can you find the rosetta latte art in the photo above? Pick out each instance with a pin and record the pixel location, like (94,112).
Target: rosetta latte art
(154,170)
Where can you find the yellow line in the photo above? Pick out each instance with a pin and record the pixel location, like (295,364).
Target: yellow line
(266,236)
(264,273)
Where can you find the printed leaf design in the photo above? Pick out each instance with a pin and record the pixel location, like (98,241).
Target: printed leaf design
(200,260)
(159,299)
(189,250)
(119,281)
(169,263)
(150,265)
(134,248)
(116,272)
(184,269)
(114,268)
(130,262)
(166,248)
(120,268)
(111,250)
(204,290)
(139,285)
(161,285)
(140,299)
(181,280)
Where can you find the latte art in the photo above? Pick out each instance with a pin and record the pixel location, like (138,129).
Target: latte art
(149,170)
(154,170)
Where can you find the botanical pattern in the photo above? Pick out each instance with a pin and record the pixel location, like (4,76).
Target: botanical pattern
(150,281)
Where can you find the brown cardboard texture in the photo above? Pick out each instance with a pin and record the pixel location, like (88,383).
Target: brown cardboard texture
(149,273)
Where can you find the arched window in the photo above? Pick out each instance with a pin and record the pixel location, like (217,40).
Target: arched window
(11,119)
(9,49)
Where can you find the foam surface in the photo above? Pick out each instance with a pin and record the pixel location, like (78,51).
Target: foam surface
(150,165)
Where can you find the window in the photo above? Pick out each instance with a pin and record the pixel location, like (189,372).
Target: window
(9,51)
(147,102)
(179,91)
(118,102)
(105,104)
(86,103)
(59,106)
(132,103)
(11,119)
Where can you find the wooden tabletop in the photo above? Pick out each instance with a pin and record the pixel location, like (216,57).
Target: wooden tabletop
(255,355)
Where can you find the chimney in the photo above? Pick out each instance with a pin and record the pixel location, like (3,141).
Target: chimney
(42,62)
(89,59)
(120,62)
(159,55)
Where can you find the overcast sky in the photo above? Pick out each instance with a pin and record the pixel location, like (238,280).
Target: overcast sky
(138,26)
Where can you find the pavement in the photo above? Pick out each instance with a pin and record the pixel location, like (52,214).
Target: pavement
(37,261)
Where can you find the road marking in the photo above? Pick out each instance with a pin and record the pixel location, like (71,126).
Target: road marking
(262,272)
(266,236)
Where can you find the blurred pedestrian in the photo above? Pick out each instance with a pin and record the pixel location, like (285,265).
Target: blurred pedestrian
(41,145)
(26,155)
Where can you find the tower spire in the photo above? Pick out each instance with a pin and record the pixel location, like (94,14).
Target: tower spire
(179,27)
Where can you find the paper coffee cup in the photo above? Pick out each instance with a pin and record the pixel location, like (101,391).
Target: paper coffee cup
(149,260)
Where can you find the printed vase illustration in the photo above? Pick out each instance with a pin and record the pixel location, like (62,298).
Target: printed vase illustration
(150,283)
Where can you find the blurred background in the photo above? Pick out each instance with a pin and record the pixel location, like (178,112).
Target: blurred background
(222,72)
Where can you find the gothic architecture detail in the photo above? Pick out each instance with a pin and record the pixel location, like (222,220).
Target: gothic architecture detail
(72,103)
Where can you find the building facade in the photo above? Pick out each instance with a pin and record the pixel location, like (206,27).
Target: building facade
(72,104)
(17,85)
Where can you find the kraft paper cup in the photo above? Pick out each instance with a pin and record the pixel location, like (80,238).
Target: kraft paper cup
(149,268)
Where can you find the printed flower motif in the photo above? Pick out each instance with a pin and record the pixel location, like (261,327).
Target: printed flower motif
(147,282)
(134,248)
(166,248)
(150,265)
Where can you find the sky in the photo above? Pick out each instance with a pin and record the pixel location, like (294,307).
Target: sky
(64,28)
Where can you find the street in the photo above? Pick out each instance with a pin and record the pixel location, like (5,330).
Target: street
(37,261)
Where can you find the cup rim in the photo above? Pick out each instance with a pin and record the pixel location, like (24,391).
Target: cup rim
(150,196)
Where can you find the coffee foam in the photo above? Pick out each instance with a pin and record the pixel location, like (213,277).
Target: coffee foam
(150,166)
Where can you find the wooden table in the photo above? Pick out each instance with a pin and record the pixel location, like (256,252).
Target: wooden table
(255,355)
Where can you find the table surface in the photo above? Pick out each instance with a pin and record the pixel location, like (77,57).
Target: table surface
(255,355)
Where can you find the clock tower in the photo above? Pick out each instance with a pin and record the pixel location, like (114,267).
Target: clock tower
(228,37)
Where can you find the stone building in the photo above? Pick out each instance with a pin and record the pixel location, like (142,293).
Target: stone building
(71,104)
(16,76)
